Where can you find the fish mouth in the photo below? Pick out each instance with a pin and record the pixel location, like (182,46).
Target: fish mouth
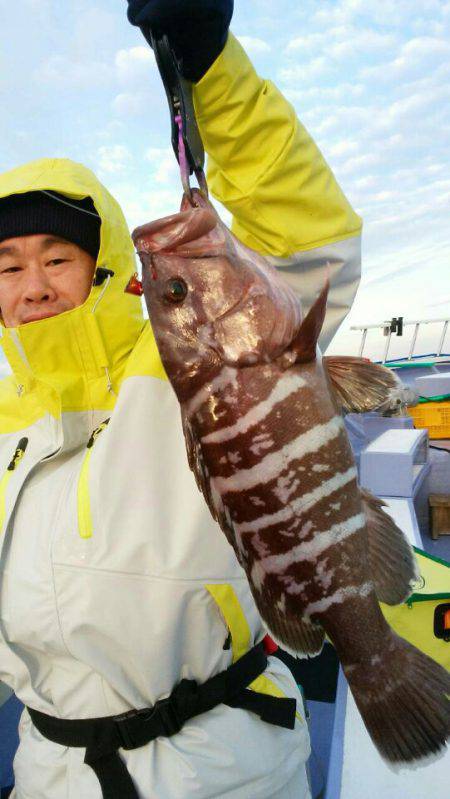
(148,263)
(152,267)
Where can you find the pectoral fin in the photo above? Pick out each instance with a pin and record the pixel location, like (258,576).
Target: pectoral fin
(360,385)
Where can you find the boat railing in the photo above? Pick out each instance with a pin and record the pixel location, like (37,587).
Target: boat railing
(396,326)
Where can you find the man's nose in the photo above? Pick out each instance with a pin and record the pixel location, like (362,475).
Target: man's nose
(39,287)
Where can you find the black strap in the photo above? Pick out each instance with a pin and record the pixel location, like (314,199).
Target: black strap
(102,737)
(113,776)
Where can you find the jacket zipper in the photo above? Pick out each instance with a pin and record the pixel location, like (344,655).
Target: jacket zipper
(17,457)
(85,526)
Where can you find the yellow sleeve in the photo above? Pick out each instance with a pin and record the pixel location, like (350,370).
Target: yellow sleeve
(264,166)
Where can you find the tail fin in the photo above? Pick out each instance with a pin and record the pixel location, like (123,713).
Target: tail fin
(403,697)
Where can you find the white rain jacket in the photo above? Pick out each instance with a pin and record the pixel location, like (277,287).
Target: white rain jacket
(115,583)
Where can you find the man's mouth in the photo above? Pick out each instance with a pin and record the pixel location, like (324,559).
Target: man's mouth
(37,316)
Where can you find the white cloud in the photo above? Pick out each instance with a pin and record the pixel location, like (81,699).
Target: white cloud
(345,41)
(383,196)
(110,132)
(144,205)
(297,74)
(113,158)
(436,301)
(414,56)
(342,92)
(62,72)
(343,147)
(128,104)
(359,163)
(306,43)
(142,92)
(365,182)
(93,31)
(424,46)
(254,46)
(164,164)
(395,13)
(134,65)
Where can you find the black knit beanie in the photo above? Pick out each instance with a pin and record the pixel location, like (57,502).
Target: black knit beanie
(49,212)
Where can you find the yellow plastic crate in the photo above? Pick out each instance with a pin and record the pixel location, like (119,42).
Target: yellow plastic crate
(435,416)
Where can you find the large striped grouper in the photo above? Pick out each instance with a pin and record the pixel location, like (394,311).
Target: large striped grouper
(262,417)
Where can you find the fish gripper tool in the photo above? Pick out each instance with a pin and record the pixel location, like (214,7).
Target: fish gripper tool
(186,140)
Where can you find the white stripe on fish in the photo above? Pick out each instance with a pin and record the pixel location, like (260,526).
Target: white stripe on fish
(310,550)
(341,595)
(302,504)
(227,376)
(288,385)
(274,463)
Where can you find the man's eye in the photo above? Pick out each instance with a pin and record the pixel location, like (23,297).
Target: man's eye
(57,261)
(10,269)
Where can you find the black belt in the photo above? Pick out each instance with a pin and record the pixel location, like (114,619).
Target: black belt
(102,737)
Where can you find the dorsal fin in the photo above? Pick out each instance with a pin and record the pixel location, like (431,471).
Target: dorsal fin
(304,345)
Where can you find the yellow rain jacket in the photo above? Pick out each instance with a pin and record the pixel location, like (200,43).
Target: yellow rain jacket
(115,583)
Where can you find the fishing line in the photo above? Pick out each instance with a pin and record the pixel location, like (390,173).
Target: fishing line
(102,293)
(71,205)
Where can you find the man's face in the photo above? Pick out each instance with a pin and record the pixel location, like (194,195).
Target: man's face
(42,276)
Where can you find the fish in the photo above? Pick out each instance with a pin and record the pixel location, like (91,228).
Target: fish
(262,413)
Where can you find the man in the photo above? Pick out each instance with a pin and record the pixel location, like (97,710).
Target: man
(115,584)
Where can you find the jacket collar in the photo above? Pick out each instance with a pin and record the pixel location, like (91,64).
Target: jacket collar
(77,357)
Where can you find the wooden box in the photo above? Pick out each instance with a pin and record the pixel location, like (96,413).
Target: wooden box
(439,514)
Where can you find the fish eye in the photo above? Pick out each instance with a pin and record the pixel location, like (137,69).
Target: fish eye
(176,290)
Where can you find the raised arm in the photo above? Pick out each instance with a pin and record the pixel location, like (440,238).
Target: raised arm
(266,169)
(263,165)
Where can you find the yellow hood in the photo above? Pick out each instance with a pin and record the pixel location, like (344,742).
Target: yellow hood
(74,361)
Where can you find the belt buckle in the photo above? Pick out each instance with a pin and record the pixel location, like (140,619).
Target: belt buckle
(129,732)
(171,712)
(125,733)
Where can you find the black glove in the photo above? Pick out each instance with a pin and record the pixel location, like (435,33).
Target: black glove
(197,29)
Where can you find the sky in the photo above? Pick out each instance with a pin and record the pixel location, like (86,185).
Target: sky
(370,81)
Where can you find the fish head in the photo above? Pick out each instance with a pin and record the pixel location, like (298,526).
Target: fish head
(210,300)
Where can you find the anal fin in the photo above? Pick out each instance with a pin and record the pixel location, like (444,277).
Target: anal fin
(392,563)
(299,637)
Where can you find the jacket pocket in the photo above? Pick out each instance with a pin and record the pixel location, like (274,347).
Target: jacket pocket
(85,526)
(17,457)
(231,610)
